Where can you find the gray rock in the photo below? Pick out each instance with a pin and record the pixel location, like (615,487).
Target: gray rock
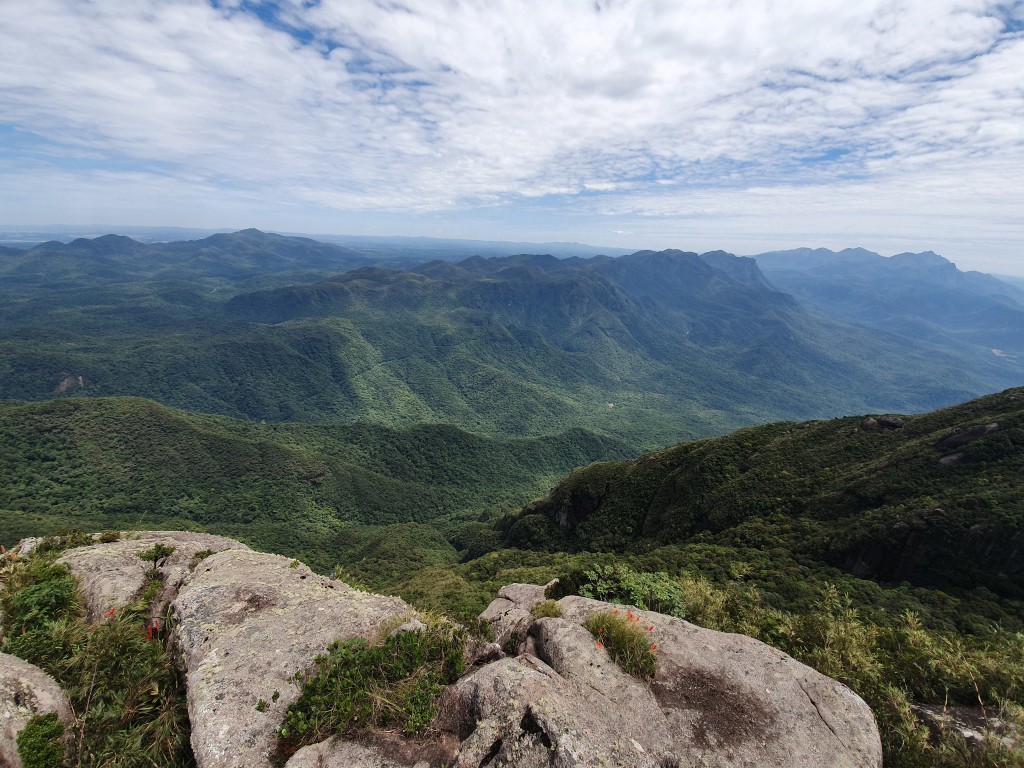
(976,726)
(377,750)
(961,437)
(245,623)
(509,615)
(572,652)
(508,622)
(518,712)
(113,575)
(339,753)
(716,699)
(25,547)
(525,596)
(25,691)
(730,700)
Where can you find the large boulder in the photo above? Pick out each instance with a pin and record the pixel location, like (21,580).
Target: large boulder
(509,615)
(245,622)
(25,691)
(716,699)
(111,575)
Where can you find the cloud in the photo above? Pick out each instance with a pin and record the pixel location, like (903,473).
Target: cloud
(648,107)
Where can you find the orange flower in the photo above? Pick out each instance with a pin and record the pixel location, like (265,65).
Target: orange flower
(654,647)
(616,611)
(599,645)
(110,613)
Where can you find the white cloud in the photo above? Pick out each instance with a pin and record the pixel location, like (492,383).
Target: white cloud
(900,108)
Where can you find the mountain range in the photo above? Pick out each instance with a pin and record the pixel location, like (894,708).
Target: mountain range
(648,348)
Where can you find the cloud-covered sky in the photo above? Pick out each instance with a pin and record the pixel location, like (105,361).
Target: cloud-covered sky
(746,125)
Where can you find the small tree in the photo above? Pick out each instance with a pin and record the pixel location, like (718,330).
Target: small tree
(157,554)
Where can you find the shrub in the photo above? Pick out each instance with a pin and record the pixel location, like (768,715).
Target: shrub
(628,643)
(123,686)
(619,583)
(356,685)
(157,553)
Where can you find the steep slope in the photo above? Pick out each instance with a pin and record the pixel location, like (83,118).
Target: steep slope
(708,338)
(936,500)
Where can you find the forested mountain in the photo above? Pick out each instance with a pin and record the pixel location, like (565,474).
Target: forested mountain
(920,296)
(648,348)
(931,501)
(307,490)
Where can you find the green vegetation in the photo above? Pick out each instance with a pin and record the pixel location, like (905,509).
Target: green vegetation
(883,552)
(157,553)
(123,686)
(546,609)
(391,683)
(920,503)
(315,492)
(626,641)
(650,348)
(41,742)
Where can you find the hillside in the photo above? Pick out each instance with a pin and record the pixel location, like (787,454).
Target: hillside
(930,502)
(319,492)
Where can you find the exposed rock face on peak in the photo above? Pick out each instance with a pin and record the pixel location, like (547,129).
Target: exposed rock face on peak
(716,699)
(25,691)
(246,622)
(112,575)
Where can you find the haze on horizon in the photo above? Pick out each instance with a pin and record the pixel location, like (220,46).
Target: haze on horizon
(896,126)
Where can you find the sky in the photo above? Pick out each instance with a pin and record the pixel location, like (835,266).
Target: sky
(742,125)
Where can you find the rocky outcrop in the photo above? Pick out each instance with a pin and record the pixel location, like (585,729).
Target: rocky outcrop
(25,691)
(245,623)
(509,615)
(881,424)
(961,437)
(111,575)
(716,699)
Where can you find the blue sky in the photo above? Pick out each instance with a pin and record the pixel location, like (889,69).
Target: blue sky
(748,125)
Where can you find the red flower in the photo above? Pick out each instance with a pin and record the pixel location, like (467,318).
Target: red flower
(654,647)
(110,613)
(599,645)
(650,628)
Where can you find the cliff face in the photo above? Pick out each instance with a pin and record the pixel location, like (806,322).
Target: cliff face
(545,694)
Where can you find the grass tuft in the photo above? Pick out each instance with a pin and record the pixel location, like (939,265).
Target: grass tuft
(628,643)
(548,609)
(358,685)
